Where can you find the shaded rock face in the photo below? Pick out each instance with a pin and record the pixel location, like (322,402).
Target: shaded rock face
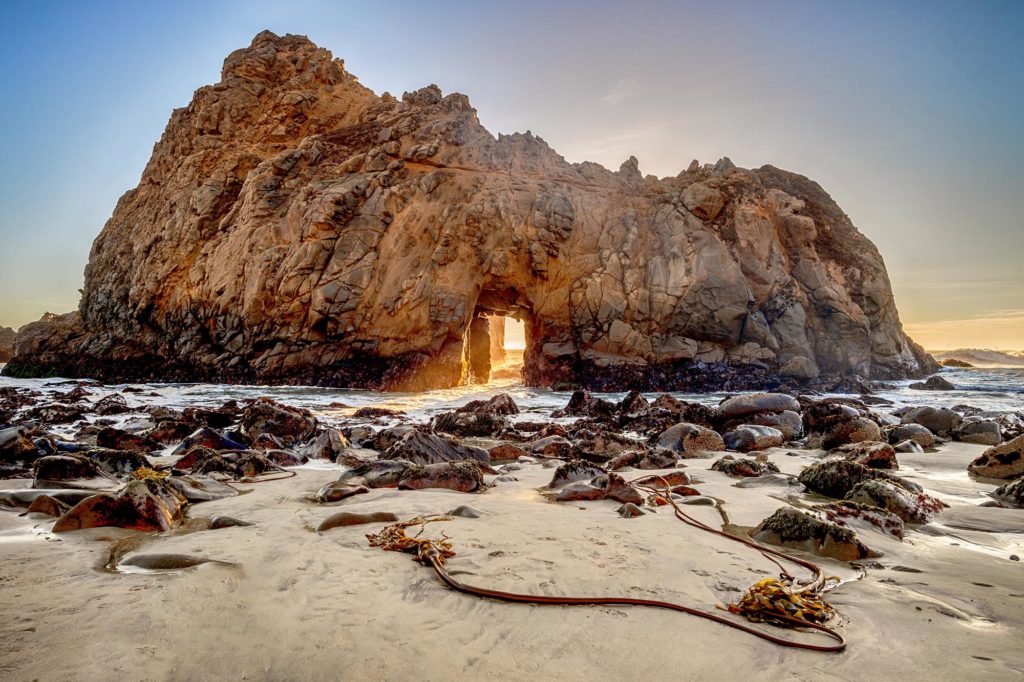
(292,226)
(6,343)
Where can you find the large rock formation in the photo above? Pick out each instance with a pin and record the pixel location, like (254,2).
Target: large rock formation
(6,343)
(292,226)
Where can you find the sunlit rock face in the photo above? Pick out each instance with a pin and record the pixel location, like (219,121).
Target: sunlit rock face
(292,226)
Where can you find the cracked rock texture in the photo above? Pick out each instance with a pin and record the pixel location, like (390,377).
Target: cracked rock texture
(292,226)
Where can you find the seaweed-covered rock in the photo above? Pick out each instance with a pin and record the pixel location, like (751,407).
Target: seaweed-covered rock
(743,467)
(837,477)
(874,454)
(633,402)
(290,424)
(116,439)
(748,437)
(754,403)
(851,431)
(856,516)
(468,424)
(1001,461)
(789,527)
(911,507)
(464,477)
(1011,493)
(572,471)
(583,404)
(690,440)
(111,405)
(426,448)
(501,404)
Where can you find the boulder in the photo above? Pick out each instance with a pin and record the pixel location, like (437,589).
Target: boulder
(837,477)
(117,462)
(1001,461)
(583,404)
(754,403)
(851,431)
(344,519)
(426,448)
(16,446)
(1011,493)
(743,467)
(915,432)
(70,471)
(572,471)
(703,201)
(789,527)
(690,440)
(860,516)
(551,446)
(376,474)
(290,424)
(872,454)
(788,422)
(116,439)
(979,431)
(748,437)
(148,505)
(463,477)
(506,451)
(200,489)
(911,507)
(908,446)
(207,438)
(938,420)
(327,445)
(469,424)
(934,383)
(605,487)
(501,404)
(336,491)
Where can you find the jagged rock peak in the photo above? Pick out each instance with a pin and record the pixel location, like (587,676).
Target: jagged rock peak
(292,226)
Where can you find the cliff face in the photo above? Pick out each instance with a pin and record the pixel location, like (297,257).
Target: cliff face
(293,226)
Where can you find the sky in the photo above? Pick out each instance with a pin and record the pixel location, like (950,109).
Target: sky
(909,114)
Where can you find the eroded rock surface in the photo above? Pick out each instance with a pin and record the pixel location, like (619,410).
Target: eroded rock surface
(293,226)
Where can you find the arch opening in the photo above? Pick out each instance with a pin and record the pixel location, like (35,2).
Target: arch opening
(496,339)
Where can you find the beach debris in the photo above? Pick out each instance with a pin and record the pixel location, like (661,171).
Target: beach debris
(772,601)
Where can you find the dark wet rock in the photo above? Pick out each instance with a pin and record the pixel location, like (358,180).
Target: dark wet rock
(911,507)
(501,404)
(336,491)
(386,438)
(748,437)
(461,476)
(465,512)
(169,431)
(111,404)
(583,404)
(215,464)
(933,383)
(286,458)
(908,446)
(207,438)
(616,488)
(869,453)
(846,514)
(787,422)
(629,511)
(579,491)
(1002,461)
(327,445)
(574,470)
(1012,493)
(604,445)
(939,420)
(921,435)
(551,446)
(195,456)
(426,448)
(690,440)
(69,471)
(361,436)
(821,417)
(373,412)
(16,446)
(669,479)
(754,403)
(165,562)
(117,462)
(48,506)
(506,451)
(469,424)
(267,441)
(653,459)
(219,522)
(250,464)
(632,403)
(743,467)
(116,439)
(795,529)
(979,431)
(692,413)
(376,474)
(200,488)
(54,414)
(837,477)
(344,519)
(219,418)
(290,424)
(22,498)
(147,505)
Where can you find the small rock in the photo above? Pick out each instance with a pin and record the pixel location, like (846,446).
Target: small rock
(629,511)
(342,519)
(466,512)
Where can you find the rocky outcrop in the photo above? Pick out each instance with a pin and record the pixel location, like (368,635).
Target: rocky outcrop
(292,226)
(6,343)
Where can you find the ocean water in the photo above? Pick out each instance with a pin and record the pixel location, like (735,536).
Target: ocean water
(997,390)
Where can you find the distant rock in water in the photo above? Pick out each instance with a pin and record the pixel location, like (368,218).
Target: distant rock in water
(292,226)
(978,357)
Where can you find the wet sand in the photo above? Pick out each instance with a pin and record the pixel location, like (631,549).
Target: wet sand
(296,604)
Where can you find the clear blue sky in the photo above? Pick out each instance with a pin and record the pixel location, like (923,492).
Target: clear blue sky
(909,114)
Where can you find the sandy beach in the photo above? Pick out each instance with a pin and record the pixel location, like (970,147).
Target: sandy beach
(296,604)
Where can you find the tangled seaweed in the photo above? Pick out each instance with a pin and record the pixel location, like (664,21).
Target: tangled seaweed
(394,539)
(774,602)
(144,473)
